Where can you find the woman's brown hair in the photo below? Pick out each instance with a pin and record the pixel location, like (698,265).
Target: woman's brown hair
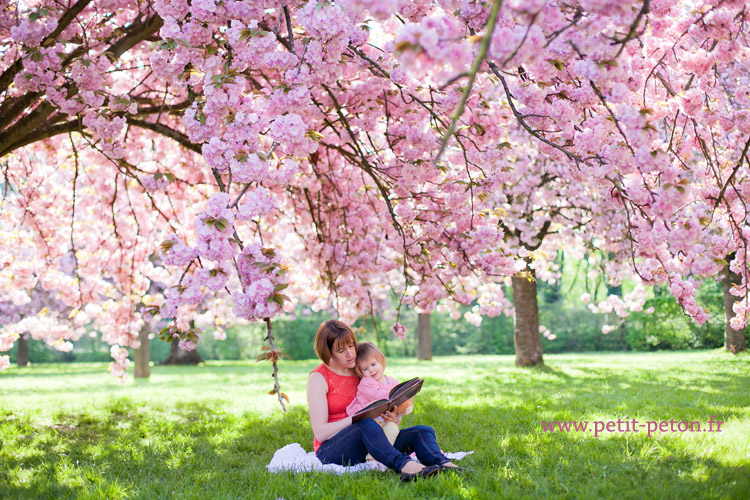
(367,350)
(329,334)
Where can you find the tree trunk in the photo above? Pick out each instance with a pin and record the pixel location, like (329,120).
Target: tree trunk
(424,340)
(734,340)
(179,356)
(143,353)
(526,322)
(23,350)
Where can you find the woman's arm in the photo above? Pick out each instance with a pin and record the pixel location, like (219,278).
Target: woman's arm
(318,404)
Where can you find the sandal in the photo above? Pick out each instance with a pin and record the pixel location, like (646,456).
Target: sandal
(426,472)
(456,468)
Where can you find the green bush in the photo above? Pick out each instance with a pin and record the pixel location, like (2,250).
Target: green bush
(670,328)
(560,310)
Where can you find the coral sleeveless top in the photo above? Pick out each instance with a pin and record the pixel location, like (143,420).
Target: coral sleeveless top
(341,391)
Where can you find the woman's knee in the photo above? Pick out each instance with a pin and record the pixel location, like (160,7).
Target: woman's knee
(368,424)
(424,429)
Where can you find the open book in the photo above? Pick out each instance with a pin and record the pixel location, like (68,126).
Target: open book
(397,396)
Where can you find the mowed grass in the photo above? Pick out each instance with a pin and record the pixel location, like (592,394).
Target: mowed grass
(208,432)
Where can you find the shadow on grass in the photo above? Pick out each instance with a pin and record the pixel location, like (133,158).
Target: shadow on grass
(550,370)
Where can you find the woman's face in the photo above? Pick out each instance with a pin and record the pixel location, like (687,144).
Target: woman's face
(344,354)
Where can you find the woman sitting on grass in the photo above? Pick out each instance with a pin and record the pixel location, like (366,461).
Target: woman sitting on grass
(331,387)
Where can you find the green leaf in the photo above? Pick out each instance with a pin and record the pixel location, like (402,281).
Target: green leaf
(314,135)
(246,33)
(222,224)
(608,63)
(480,129)
(280,287)
(559,65)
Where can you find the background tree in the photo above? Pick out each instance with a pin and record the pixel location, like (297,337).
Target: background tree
(424,337)
(734,334)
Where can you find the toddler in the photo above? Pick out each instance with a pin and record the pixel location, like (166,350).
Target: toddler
(374,385)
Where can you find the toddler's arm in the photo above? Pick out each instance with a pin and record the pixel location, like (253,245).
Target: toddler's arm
(367,392)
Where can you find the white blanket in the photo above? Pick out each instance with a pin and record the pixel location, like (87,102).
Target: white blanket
(293,457)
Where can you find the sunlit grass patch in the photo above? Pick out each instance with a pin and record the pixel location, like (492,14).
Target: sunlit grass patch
(71,431)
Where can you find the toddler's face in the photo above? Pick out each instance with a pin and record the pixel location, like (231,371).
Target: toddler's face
(371,368)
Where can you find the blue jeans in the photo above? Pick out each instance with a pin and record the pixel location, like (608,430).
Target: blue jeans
(351,445)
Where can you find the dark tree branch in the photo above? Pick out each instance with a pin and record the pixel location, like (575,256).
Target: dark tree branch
(633,28)
(136,34)
(743,156)
(17,133)
(176,135)
(290,36)
(41,134)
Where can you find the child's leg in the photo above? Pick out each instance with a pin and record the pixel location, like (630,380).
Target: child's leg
(391,431)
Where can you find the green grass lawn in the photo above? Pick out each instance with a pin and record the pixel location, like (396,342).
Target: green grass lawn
(208,432)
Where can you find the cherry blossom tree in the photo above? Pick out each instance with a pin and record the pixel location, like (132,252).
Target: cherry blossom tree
(336,152)
(41,318)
